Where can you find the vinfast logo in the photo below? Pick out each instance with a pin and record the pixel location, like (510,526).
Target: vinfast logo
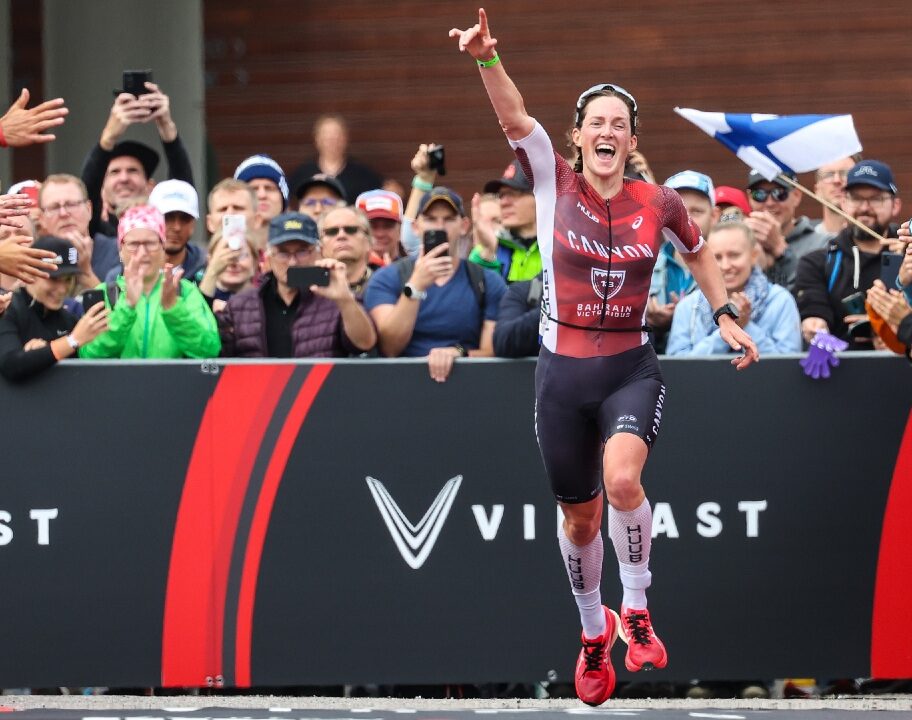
(414,542)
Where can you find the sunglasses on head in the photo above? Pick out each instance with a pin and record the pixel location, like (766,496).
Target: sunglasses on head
(595,89)
(778,194)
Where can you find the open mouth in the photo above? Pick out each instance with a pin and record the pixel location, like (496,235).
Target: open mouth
(604,151)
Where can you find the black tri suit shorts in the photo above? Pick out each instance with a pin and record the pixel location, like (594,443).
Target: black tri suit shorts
(581,402)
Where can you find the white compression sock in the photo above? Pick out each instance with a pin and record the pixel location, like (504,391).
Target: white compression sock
(631,533)
(584,566)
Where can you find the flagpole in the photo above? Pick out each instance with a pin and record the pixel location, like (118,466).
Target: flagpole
(836,209)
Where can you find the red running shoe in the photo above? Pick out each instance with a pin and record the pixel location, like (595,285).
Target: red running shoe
(594,674)
(644,649)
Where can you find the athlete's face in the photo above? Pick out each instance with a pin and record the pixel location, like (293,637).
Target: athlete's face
(605,139)
(736,256)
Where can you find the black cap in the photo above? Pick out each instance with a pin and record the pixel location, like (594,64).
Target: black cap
(755,178)
(513,177)
(67,260)
(147,157)
(322,179)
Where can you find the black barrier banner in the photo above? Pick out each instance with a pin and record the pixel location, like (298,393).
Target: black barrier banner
(355,522)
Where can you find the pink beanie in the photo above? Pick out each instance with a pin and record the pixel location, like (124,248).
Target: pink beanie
(141,216)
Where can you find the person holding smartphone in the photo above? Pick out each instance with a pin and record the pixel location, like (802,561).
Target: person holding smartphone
(37,331)
(599,388)
(303,306)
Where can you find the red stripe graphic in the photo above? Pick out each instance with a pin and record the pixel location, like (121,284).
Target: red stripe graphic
(274,472)
(891,628)
(229,437)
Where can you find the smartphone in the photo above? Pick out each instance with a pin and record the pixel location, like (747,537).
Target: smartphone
(854,304)
(433,238)
(90,298)
(234,230)
(889,268)
(303,277)
(134,81)
(437,159)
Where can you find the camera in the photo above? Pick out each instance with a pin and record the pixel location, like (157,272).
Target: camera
(437,159)
(134,82)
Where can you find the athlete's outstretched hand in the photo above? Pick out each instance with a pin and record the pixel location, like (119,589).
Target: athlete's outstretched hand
(738,340)
(477,40)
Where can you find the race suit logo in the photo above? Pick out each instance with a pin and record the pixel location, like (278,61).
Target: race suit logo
(414,542)
(607,287)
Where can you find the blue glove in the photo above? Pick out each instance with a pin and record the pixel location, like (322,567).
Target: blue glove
(822,355)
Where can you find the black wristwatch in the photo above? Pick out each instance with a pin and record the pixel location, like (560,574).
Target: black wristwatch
(726,309)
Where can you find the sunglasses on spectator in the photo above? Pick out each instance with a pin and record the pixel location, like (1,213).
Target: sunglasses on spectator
(70,206)
(347,229)
(778,194)
(595,89)
(325,202)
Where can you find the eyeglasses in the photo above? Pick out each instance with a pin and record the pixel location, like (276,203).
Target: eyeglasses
(70,206)
(347,229)
(325,202)
(875,201)
(831,175)
(778,194)
(150,246)
(595,89)
(299,255)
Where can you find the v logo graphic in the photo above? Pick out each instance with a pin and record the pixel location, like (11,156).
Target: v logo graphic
(415,542)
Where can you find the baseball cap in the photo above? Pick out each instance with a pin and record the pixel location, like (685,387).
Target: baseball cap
(380,204)
(262,166)
(292,226)
(26,187)
(755,178)
(329,181)
(441,194)
(873,173)
(67,256)
(141,216)
(175,196)
(147,157)
(513,177)
(693,180)
(728,195)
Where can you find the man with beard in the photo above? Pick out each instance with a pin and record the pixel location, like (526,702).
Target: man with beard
(831,281)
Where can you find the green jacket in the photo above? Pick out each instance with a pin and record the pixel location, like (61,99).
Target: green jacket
(513,260)
(188,329)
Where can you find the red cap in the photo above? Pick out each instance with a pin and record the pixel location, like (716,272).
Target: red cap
(380,204)
(727,195)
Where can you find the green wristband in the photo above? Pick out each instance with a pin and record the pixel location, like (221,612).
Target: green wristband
(489,63)
(423,185)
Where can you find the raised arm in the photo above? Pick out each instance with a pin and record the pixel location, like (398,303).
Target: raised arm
(505,98)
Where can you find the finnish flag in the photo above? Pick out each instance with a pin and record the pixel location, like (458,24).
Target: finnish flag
(771,144)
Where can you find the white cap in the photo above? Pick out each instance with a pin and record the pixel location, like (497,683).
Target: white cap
(175,196)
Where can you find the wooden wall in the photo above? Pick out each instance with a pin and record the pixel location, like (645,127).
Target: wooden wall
(389,67)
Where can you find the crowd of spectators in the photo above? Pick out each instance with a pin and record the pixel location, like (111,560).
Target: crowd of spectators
(331,261)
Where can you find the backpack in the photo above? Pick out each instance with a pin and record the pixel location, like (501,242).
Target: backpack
(476,278)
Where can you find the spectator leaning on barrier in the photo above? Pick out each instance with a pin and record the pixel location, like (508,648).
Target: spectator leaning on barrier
(36,331)
(179,203)
(516,332)
(783,237)
(345,236)
(279,319)
(832,281)
(766,311)
(436,306)
(894,305)
(117,172)
(155,314)
(65,212)
(514,253)
(384,213)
